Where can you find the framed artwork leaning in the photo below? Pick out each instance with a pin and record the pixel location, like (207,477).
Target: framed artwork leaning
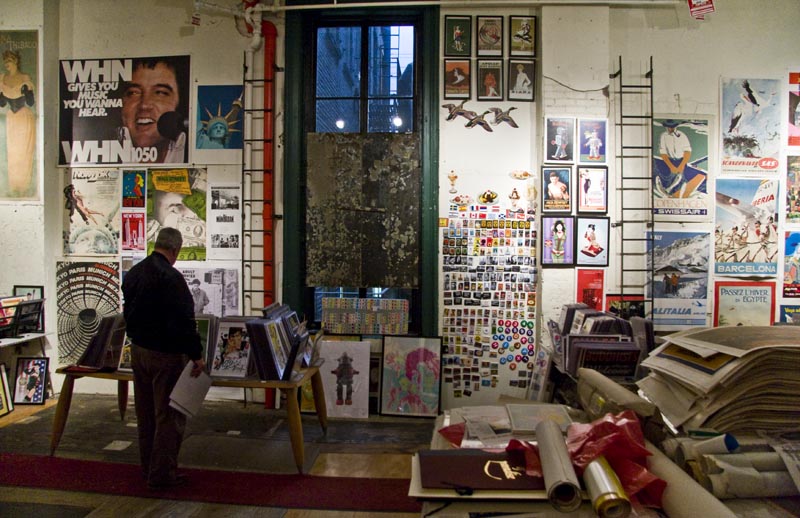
(410,384)
(31,380)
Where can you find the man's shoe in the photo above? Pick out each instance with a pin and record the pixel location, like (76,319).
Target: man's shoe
(179,480)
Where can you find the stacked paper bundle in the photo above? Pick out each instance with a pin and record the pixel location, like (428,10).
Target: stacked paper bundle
(731,379)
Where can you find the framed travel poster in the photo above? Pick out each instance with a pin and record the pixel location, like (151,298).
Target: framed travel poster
(522,35)
(559,241)
(557,191)
(457,36)
(592,189)
(744,303)
(31,380)
(591,246)
(457,79)
(490,80)
(411,375)
(489,40)
(520,79)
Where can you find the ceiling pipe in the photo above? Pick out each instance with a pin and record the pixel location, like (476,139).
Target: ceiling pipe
(275,7)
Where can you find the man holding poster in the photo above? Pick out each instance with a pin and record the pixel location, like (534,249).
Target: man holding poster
(124,111)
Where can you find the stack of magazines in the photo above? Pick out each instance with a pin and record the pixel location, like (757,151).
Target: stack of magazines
(731,379)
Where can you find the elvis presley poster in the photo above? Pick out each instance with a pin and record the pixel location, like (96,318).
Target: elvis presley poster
(124,110)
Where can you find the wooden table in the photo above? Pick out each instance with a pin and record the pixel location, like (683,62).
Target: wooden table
(290,388)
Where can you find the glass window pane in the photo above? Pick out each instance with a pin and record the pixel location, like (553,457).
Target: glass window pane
(390,116)
(391,61)
(338,61)
(338,116)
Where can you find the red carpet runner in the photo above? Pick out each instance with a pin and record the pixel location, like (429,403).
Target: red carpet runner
(227,487)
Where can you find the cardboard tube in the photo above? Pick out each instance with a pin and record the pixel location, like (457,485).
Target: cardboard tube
(605,490)
(683,496)
(560,480)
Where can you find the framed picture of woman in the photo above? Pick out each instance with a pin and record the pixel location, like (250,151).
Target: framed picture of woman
(520,79)
(557,189)
(592,189)
(591,241)
(559,241)
(457,36)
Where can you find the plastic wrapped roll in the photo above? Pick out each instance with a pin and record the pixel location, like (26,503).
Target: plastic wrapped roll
(605,490)
(560,480)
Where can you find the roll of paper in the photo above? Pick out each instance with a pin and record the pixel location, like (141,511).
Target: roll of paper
(605,490)
(560,480)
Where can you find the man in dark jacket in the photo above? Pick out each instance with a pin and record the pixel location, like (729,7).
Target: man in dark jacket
(159,315)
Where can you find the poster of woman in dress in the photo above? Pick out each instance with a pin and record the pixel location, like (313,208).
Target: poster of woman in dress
(18,115)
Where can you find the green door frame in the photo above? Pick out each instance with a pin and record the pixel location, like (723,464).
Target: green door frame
(294,162)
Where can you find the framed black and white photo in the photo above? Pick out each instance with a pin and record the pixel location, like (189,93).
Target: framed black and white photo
(592,189)
(489,35)
(457,79)
(522,36)
(457,36)
(591,241)
(521,74)
(490,80)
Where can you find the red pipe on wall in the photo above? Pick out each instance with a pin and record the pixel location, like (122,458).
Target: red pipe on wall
(270,35)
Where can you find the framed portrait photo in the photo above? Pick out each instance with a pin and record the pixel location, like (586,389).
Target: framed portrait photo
(557,189)
(489,35)
(591,241)
(457,79)
(521,74)
(559,241)
(522,36)
(411,393)
(592,188)
(457,36)
(30,382)
(490,80)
